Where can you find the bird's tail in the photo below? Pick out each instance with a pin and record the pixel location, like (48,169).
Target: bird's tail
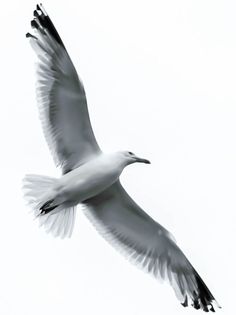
(56,219)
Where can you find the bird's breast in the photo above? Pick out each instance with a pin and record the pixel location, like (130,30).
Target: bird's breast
(87,181)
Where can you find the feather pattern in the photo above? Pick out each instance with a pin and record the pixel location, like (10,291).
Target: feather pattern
(61,98)
(146,244)
(59,222)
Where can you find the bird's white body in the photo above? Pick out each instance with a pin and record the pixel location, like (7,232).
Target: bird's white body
(92,177)
(88,180)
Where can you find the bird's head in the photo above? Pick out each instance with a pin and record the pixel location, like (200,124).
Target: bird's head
(129,158)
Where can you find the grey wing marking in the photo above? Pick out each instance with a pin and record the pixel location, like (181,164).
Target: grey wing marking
(147,244)
(61,97)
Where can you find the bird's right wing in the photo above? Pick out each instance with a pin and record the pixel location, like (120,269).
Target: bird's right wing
(61,97)
(146,243)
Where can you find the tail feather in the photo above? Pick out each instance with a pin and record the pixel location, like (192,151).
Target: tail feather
(55,219)
(47,207)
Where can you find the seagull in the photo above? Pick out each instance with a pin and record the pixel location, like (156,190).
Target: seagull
(90,177)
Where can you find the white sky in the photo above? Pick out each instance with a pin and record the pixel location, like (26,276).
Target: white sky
(160,78)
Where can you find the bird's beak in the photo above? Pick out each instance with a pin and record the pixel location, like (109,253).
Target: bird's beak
(140,160)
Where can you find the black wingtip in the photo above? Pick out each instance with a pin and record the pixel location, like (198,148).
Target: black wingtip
(40,7)
(204,298)
(28,35)
(35,13)
(185,303)
(212,309)
(34,24)
(43,22)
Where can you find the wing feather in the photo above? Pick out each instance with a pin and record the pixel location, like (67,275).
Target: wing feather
(61,98)
(147,244)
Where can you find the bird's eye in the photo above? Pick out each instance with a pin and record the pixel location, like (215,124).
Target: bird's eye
(131,153)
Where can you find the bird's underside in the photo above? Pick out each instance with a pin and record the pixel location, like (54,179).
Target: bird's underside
(67,128)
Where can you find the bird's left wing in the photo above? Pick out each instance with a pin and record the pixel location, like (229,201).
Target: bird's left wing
(146,243)
(61,97)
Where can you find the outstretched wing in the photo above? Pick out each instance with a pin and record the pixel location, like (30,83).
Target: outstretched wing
(146,243)
(61,97)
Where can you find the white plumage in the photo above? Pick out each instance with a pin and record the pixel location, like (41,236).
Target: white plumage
(91,177)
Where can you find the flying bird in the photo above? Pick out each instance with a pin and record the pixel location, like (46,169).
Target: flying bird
(91,177)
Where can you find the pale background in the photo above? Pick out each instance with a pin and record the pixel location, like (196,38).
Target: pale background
(160,78)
